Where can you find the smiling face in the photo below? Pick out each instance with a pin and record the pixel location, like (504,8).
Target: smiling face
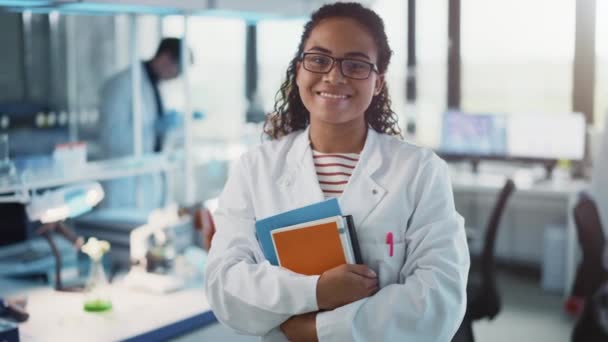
(332,98)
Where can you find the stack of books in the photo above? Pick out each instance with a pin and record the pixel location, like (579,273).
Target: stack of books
(310,240)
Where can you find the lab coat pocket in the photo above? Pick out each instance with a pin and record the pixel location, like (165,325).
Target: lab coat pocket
(377,256)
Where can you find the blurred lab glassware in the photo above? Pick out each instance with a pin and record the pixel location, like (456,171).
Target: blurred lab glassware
(70,158)
(3,147)
(6,166)
(97,290)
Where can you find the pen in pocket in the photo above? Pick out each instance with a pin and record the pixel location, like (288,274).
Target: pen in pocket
(389,242)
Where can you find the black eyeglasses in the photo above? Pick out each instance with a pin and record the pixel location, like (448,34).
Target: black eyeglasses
(351,68)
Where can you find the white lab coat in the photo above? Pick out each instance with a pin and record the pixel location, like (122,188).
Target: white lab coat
(396,187)
(116,138)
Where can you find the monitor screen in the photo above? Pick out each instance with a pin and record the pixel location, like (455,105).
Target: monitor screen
(533,136)
(546,136)
(482,135)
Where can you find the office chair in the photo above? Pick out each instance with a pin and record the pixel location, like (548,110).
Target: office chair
(483,299)
(593,323)
(591,274)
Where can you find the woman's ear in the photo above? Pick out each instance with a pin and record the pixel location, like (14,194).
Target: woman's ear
(379,84)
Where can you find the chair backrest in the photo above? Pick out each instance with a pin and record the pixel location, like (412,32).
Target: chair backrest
(483,299)
(592,326)
(591,272)
(487,254)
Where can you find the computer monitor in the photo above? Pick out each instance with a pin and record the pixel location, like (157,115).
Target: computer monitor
(546,136)
(473,135)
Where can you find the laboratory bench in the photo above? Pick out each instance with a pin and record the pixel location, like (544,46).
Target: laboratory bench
(135,315)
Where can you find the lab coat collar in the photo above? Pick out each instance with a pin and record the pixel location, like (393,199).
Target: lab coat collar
(362,193)
(299,178)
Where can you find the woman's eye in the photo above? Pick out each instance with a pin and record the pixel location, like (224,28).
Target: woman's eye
(320,60)
(356,66)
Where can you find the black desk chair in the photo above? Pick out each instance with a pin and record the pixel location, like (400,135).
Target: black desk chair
(591,273)
(483,299)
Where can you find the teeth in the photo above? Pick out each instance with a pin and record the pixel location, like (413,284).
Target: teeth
(332,96)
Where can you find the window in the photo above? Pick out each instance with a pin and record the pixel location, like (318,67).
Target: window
(517,56)
(277,45)
(217,76)
(394,15)
(432,51)
(601,70)
(148,35)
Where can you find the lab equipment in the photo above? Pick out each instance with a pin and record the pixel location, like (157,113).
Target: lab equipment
(34,257)
(53,207)
(97,290)
(154,247)
(6,166)
(75,240)
(65,202)
(113,225)
(70,157)
(21,256)
(14,223)
(164,226)
(20,121)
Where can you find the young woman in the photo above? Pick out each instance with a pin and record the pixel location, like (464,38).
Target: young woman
(333,135)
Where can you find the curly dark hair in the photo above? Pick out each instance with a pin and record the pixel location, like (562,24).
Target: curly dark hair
(290,114)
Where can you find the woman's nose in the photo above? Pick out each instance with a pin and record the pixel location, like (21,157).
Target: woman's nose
(335,74)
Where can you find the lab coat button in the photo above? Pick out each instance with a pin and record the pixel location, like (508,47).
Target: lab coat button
(374,191)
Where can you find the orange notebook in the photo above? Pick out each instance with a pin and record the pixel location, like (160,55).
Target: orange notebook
(313,247)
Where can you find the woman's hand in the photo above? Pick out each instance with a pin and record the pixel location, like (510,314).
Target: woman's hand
(301,327)
(345,284)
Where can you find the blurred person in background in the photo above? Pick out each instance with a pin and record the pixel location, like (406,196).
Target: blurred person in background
(117,123)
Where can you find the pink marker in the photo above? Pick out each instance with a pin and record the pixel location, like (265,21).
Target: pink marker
(389,241)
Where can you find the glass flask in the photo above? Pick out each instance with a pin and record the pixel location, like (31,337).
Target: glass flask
(97,289)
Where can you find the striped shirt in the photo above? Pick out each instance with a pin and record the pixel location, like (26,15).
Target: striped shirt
(334,170)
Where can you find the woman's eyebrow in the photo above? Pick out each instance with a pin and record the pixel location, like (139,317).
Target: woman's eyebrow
(349,54)
(320,49)
(357,54)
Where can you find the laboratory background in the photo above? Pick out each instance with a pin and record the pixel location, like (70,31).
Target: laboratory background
(120,120)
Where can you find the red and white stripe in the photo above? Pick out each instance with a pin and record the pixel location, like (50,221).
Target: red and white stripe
(334,171)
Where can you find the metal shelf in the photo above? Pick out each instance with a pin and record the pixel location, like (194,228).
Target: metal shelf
(244,9)
(17,190)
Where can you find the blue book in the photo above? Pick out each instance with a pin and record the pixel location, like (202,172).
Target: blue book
(316,211)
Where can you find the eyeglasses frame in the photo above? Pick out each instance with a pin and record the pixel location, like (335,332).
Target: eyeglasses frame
(373,67)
